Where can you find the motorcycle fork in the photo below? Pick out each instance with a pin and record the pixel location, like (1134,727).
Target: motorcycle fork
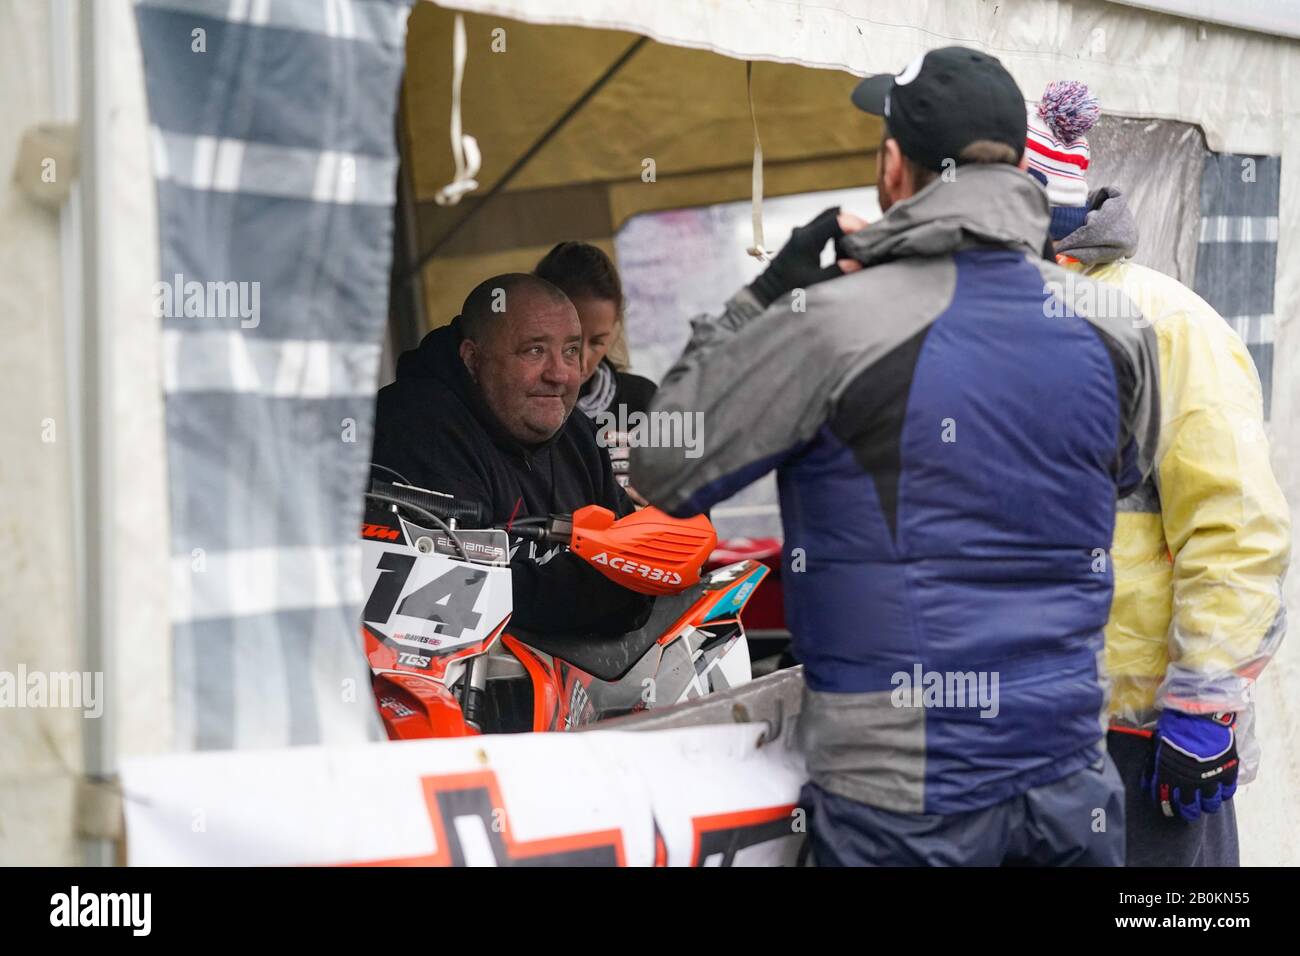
(473,701)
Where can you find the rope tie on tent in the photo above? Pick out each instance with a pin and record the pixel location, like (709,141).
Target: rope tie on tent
(464,148)
(757,250)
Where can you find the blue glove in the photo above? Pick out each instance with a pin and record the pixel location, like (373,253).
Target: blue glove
(1195,767)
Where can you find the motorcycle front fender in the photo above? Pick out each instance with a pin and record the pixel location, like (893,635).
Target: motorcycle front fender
(414,708)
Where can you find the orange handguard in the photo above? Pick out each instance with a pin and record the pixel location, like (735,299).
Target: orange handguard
(648,551)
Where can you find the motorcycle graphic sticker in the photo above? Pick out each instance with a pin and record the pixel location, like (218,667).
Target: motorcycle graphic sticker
(431,602)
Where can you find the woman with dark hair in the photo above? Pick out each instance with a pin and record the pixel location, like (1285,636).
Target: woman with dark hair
(587,276)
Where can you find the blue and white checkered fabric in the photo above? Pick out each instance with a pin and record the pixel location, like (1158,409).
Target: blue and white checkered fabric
(1236,257)
(275,161)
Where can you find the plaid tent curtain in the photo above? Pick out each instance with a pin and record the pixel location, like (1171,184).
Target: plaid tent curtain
(275,161)
(1236,257)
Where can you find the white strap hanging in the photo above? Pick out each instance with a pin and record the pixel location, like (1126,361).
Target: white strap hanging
(757,250)
(464,148)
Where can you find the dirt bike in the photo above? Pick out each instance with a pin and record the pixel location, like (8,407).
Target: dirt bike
(446,661)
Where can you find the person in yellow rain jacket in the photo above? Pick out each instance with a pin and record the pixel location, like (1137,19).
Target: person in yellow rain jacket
(1200,550)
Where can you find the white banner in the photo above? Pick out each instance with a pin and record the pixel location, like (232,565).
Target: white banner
(700,796)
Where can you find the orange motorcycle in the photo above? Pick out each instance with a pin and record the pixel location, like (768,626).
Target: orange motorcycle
(446,662)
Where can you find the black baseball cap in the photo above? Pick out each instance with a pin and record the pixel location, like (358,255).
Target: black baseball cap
(945,100)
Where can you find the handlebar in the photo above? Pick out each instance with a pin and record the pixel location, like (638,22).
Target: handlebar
(465,513)
(646,551)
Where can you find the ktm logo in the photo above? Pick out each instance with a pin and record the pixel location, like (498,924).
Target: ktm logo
(646,571)
(380,531)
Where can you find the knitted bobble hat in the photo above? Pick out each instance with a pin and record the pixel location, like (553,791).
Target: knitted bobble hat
(1057,150)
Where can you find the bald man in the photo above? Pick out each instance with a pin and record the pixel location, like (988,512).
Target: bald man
(482,410)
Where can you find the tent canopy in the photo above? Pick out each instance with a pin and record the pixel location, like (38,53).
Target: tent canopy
(570,99)
(679,100)
(630,101)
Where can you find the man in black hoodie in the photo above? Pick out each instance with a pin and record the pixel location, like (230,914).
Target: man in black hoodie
(482,410)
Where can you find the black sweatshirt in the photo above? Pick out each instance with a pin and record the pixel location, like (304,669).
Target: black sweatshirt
(434,428)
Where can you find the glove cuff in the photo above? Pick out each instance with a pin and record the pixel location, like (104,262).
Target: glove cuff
(766,289)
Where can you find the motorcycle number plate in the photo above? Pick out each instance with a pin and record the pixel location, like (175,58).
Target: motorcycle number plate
(430,602)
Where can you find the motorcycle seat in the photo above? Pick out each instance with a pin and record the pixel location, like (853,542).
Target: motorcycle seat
(609,657)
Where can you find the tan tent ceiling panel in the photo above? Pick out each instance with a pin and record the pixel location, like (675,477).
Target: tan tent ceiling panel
(707,188)
(509,99)
(687,110)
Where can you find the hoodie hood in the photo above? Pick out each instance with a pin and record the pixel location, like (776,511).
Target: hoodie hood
(437,357)
(984,205)
(1109,232)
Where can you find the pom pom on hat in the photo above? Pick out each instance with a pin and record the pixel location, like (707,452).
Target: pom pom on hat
(1055,145)
(1068,109)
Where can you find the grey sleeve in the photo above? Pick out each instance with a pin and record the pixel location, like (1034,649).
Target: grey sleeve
(751,387)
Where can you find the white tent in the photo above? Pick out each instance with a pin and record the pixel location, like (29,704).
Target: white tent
(94,487)
(84,469)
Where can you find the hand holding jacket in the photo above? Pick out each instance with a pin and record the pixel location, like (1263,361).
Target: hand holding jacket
(798,264)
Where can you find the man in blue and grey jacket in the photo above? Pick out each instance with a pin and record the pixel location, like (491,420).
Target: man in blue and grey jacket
(951,418)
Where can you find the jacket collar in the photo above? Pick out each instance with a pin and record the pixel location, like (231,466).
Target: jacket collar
(984,205)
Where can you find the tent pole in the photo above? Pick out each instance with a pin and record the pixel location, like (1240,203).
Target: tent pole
(96,395)
(532,151)
(406,320)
